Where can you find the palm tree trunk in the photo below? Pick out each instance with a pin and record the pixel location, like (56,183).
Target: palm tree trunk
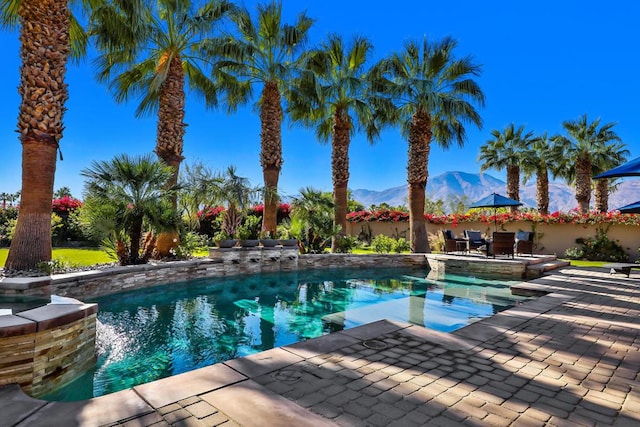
(271,153)
(602,195)
(542,190)
(340,171)
(44,38)
(513,184)
(171,126)
(419,144)
(583,183)
(135,237)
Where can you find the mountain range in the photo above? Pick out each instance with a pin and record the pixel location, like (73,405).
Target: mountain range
(469,187)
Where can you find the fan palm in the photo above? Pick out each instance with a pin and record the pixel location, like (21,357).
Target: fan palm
(536,160)
(153,50)
(575,153)
(129,190)
(608,157)
(505,151)
(49,34)
(332,97)
(434,93)
(266,52)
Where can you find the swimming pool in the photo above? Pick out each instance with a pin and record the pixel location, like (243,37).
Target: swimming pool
(148,334)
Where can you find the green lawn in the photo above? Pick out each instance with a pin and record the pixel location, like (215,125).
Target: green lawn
(73,256)
(581,263)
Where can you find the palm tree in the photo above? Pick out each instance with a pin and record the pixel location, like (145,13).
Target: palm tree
(311,219)
(49,34)
(536,160)
(266,52)
(505,151)
(575,153)
(608,157)
(434,94)
(332,97)
(129,191)
(237,193)
(152,50)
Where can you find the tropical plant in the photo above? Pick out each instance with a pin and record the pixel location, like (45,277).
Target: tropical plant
(598,248)
(505,151)
(434,93)
(124,194)
(237,193)
(198,187)
(265,52)
(312,219)
(576,151)
(536,160)
(610,156)
(152,50)
(49,34)
(331,96)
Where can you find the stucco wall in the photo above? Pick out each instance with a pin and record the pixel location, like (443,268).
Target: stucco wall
(551,238)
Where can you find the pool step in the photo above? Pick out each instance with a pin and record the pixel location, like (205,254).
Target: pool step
(537,270)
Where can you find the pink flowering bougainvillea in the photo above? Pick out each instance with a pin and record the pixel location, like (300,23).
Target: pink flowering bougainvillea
(65,205)
(572,217)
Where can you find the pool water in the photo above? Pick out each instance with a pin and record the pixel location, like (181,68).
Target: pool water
(148,334)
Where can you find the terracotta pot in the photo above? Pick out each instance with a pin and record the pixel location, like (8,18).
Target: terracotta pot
(166,241)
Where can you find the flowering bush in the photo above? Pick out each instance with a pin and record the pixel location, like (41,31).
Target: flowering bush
(284,209)
(572,217)
(65,205)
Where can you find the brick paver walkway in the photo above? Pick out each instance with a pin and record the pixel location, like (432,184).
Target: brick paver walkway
(569,358)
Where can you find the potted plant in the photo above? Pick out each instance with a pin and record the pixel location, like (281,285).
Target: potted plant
(285,237)
(224,240)
(243,233)
(266,240)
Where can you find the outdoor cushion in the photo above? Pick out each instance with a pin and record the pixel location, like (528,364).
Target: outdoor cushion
(448,234)
(522,235)
(473,235)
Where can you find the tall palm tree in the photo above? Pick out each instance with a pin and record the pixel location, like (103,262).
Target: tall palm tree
(609,156)
(266,52)
(49,34)
(575,153)
(435,94)
(129,190)
(536,160)
(332,97)
(153,50)
(505,151)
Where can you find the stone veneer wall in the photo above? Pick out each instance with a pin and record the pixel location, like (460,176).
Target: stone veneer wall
(480,266)
(47,347)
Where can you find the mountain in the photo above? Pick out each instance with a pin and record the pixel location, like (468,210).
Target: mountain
(470,187)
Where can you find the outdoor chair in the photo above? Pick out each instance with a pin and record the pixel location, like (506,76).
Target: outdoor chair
(502,243)
(524,243)
(451,243)
(474,239)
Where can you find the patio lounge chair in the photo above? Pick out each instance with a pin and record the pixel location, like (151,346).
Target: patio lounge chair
(453,244)
(524,243)
(503,243)
(474,239)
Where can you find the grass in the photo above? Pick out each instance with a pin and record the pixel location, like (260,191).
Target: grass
(78,257)
(582,263)
(81,257)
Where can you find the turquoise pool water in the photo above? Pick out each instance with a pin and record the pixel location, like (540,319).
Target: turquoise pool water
(153,333)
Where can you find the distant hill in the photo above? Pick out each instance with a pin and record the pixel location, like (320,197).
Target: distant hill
(473,186)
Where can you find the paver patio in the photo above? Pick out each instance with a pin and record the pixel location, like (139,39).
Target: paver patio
(571,357)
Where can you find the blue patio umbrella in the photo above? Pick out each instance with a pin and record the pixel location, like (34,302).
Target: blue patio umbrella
(631,168)
(495,201)
(632,208)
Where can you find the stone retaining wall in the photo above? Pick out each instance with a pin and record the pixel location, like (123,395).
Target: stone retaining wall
(479,266)
(46,347)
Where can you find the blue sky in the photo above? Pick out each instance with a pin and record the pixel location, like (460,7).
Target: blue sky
(543,62)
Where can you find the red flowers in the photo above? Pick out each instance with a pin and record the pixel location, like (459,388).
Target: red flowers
(65,205)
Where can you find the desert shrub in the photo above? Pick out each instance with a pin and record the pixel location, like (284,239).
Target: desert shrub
(189,243)
(382,244)
(346,244)
(401,245)
(598,248)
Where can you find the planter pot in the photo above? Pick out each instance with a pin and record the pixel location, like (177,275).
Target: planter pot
(289,242)
(165,242)
(249,243)
(227,243)
(268,243)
